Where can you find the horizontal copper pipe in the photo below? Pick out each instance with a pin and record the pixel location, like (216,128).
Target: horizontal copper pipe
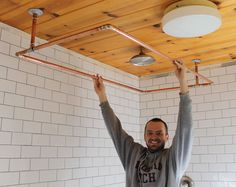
(153,50)
(61,40)
(175,88)
(70,70)
(67,38)
(64,68)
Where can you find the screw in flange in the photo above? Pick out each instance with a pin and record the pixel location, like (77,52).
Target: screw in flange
(196,61)
(35,11)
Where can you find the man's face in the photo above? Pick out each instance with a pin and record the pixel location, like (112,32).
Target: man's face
(155,136)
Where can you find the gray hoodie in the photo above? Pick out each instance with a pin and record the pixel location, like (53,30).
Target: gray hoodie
(160,169)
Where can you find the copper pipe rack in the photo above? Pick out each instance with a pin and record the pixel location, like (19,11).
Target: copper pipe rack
(23,54)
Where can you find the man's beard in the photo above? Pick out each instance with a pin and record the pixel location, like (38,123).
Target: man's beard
(159,148)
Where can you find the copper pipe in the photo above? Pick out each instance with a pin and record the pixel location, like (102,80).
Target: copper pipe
(64,68)
(196,70)
(101,28)
(67,38)
(174,88)
(57,66)
(61,40)
(113,28)
(153,50)
(33,31)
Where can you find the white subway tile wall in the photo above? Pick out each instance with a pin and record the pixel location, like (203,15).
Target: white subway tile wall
(213,162)
(51,129)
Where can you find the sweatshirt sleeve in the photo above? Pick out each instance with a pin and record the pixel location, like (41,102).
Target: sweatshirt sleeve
(123,142)
(182,143)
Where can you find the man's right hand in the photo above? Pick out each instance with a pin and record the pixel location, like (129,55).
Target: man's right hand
(99,88)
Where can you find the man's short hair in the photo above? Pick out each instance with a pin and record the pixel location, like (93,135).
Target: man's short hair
(156,120)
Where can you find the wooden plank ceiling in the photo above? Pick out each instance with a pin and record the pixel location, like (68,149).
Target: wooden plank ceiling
(140,18)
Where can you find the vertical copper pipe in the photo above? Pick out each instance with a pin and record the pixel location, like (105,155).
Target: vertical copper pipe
(33,31)
(196,70)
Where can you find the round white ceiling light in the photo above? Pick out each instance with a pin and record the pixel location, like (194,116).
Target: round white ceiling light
(191,18)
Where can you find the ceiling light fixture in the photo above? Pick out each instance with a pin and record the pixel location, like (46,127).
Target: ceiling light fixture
(191,18)
(142,59)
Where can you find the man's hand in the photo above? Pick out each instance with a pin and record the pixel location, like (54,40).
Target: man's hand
(99,88)
(180,72)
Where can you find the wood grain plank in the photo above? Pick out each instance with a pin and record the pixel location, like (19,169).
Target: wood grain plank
(10,6)
(52,10)
(87,16)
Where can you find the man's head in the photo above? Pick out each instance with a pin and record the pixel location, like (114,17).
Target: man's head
(156,134)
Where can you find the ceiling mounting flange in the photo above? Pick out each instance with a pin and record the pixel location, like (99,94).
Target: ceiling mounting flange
(196,60)
(37,11)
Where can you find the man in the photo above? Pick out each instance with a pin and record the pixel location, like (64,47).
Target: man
(153,166)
